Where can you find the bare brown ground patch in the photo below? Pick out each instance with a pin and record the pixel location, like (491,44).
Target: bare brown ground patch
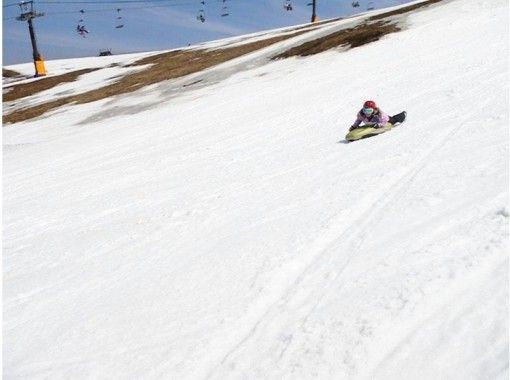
(6,73)
(164,66)
(372,30)
(357,36)
(26,89)
(403,10)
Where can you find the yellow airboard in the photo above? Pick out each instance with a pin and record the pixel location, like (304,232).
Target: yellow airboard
(367,131)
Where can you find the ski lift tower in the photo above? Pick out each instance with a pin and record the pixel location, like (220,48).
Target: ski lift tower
(28,14)
(314,14)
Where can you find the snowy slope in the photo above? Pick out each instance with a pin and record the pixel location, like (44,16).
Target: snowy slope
(229,232)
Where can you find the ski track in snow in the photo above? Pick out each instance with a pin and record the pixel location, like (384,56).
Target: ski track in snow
(344,233)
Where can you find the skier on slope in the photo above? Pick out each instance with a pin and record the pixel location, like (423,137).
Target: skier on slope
(372,115)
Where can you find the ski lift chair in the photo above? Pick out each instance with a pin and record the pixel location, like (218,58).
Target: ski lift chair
(105,52)
(118,21)
(201,15)
(225,12)
(80,28)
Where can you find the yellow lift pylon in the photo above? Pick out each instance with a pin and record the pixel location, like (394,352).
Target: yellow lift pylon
(28,14)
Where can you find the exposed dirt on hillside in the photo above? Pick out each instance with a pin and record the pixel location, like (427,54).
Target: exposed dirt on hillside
(351,37)
(6,73)
(371,30)
(27,89)
(164,66)
(403,10)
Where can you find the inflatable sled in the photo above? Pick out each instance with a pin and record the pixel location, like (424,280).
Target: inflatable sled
(369,131)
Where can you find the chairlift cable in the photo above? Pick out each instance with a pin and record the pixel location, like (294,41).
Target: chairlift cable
(105,9)
(96,10)
(10,5)
(105,2)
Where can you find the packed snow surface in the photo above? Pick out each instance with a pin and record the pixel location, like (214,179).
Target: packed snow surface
(228,231)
